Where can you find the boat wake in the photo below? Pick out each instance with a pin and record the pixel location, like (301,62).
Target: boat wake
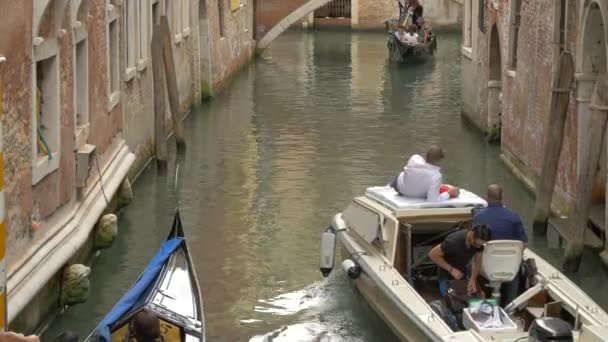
(293,302)
(312,314)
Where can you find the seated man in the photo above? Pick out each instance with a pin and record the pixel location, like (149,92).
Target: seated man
(421,178)
(146,327)
(400,33)
(505,225)
(411,37)
(456,251)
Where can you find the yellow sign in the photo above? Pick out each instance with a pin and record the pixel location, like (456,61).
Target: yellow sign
(235,4)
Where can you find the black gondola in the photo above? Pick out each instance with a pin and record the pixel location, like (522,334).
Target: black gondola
(169,289)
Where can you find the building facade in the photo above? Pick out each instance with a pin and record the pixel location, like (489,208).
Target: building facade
(355,14)
(78,104)
(509,52)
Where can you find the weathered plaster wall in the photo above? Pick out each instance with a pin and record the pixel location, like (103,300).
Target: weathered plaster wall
(105,126)
(236,47)
(187,63)
(15,45)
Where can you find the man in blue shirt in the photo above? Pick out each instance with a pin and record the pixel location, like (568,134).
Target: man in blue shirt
(505,225)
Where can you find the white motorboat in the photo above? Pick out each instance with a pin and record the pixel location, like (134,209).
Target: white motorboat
(385,241)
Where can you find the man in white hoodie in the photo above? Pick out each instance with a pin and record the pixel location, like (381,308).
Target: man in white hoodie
(421,178)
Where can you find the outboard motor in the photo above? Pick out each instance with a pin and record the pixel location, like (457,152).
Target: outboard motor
(328,250)
(550,330)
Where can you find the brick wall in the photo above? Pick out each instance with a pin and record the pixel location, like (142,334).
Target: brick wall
(526,90)
(269,12)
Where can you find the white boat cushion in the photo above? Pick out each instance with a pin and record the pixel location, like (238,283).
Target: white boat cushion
(389,196)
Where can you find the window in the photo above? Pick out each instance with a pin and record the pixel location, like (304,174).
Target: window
(482,16)
(155,14)
(185,17)
(169,14)
(46,126)
(468,18)
(515,24)
(131,48)
(113,58)
(560,25)
(220,4)
(82,84)
(174,13)
(143,36)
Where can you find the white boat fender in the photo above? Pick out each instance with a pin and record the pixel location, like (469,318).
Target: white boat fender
(351,268)
(328,251)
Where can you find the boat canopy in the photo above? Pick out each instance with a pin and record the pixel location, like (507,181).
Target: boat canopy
(420,209)
(131,298)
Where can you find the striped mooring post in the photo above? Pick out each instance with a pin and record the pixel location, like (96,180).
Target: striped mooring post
(3,264)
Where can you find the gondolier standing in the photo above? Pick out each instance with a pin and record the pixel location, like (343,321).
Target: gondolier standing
(414,8)
(417,11)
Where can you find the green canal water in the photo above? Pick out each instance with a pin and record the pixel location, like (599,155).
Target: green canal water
(310,124)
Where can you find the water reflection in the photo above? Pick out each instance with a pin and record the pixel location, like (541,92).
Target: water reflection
(312,123)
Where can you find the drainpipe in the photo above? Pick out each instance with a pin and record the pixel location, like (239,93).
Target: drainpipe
(2,227)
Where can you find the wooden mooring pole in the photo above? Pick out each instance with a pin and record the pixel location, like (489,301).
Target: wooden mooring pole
(171,79)
(3,263)
(160,135)
(588,172)
(560,99)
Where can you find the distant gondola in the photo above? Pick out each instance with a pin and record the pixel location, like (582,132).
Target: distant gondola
(401,51)
(168,288)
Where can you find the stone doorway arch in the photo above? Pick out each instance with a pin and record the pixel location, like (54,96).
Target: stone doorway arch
(494,114)
(592,62)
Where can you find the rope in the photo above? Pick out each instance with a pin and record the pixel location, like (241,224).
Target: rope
(103,191)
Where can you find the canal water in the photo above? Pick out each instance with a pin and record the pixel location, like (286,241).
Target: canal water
(313,122)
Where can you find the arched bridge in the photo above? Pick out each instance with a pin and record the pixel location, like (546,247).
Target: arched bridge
(273,17)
